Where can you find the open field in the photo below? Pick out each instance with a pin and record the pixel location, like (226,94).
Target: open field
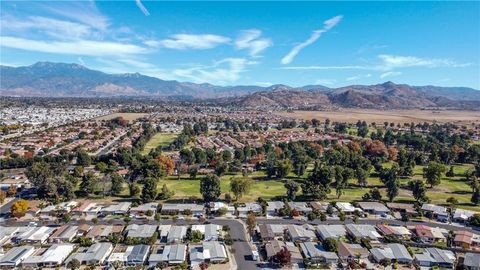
(126,116)
(186,188)
(159,139)
(396,116)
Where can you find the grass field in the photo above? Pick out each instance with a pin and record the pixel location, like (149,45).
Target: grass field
(126,116)
(396,116)
(159,139)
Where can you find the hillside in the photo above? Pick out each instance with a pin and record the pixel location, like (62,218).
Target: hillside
(46,79)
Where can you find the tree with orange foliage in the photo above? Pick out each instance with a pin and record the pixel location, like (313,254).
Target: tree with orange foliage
(167,164)
(375,148)
(392,153)
(12,190)
(3,196)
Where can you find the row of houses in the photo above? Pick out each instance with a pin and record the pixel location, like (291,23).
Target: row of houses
(305,244)
(104,253)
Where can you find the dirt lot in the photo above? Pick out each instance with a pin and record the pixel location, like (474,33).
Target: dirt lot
(126,116)
(396,116)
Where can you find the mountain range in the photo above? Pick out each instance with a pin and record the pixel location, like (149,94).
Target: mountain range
(46,79)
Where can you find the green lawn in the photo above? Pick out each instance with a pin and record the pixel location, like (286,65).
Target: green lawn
(159,139)
(187,188)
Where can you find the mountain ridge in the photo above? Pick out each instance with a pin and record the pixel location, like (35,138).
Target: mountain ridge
(48,79)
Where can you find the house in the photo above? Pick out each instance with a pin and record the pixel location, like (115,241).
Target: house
(99,232)
(129,255)
(273,207)
(358,231)
(471,261)
(182,208)
(249,208)
(438,212)
(320,206)
(64,234)
(143,209)
(395,252)
(331,231)
(163,231)
(398,231)
(96,254)
(176,234)
(140,231)
(212,251)
(428,234)
(60,209)
(275,246)
(172,254)
(266,232)
(462,215)
(442,258)
(301,233)
(116,209)
(466,240)
(374,208)
(346,207)
(48,257)
(403,208)
(300,207)
(15,256)
(35,235)
(210,232)
(7,233)
(215,206)
(315,254)
(349,252)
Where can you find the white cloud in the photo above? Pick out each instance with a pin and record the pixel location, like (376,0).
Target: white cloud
(390,62)
(390,74)
(328,24)
(264,84)
(77,47)
(59,29)
(358,77)
(85,12)
(142,7)
(323,67)
(221,72)
(326,81)
(188,41)
(251,41)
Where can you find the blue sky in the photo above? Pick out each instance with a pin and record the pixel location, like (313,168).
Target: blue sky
(260,43)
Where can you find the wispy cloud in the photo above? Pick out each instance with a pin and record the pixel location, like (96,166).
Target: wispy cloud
(326,81)
(264,84)
(251,40)
(142,7)
(189,41)
(328,24)
(358,77)
(77,47)
(390,74)
(221,72)
(388,63)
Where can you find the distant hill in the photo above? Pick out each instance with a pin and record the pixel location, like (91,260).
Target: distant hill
(46,79)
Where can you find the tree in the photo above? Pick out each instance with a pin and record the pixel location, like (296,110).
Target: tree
(149,191)
(117,184)
(390,179)
(101,166)
(283,257)
(476,196)
(284,167)
(450,172)
(251,223)
(88,184)
(162,265)
(362,176)
(330,244)
(240,186)
(433,173)
(12,190)
(474,220)
(133,189)
(19,208)
(292,189)
(74,264)
(167,164)
(203,266)
(318,182)
(83,159)
(3,196)
(452,201)
(210,188)
(418,190)
(385,262)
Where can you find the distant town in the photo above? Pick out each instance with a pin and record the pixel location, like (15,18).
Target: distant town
(146,184)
